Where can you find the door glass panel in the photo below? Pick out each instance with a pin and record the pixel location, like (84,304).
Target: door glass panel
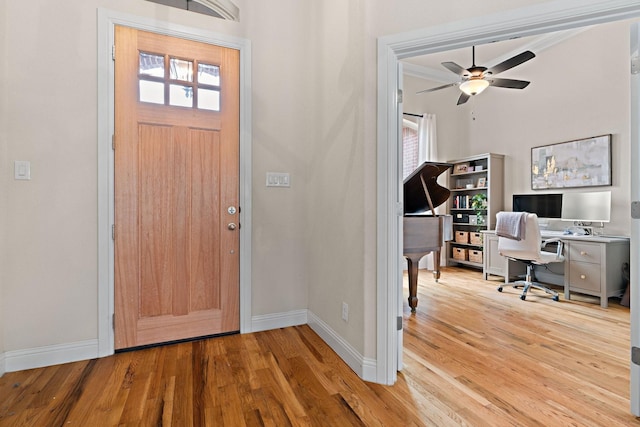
(151,65)
(155,80)
(181,70)
(208,99)
(151,92)
(180,96)
(208,74)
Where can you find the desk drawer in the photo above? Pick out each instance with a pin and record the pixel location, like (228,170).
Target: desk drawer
(584,276)
(584,252)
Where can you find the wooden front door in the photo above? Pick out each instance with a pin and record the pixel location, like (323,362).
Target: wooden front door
(176,189)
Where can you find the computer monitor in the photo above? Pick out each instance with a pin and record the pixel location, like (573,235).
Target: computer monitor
(587,207)
(543,205)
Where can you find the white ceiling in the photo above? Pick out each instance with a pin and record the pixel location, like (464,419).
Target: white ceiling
(429,67)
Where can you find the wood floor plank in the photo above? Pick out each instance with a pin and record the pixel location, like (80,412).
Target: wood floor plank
(473,357)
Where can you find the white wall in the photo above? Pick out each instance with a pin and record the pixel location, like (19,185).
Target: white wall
(556,107)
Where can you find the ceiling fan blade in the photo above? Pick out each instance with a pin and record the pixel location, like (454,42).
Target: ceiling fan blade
(511,62)
(508,83)
(455,68)
(437,88)
(463,98)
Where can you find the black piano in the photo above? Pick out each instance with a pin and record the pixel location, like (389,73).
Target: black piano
(424,231)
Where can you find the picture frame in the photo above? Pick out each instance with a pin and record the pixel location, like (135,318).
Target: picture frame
(572,164)
(461,167)
(482,182)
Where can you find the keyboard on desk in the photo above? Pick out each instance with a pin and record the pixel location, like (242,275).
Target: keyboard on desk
(552,233)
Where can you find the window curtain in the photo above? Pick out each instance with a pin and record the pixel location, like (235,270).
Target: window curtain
(428,152)
(427,139)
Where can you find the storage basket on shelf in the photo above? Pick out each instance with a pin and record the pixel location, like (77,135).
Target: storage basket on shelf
(475,256)
(460,254)
(475,238)
(462,237)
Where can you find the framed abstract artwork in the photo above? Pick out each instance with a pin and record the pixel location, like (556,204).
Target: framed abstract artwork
(579,163)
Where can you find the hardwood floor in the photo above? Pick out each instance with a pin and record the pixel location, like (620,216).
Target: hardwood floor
(473,356)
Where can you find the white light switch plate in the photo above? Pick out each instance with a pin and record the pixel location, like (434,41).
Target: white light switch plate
(278,179)
(22,170)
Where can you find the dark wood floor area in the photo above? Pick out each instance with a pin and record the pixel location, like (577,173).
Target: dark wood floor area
(473,357)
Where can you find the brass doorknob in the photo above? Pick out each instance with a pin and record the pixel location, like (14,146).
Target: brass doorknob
(232,226)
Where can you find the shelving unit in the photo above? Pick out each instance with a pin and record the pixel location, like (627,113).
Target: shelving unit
(481,174)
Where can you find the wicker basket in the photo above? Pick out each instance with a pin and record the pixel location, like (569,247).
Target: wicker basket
(475,238)
(460,254)
(462,237)
(475,256)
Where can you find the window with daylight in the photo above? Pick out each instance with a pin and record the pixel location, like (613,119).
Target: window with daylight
(409,148)
(178,82)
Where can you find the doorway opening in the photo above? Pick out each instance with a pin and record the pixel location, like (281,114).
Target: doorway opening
(391,49)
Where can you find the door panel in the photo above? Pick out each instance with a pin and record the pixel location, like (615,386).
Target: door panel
(176,173)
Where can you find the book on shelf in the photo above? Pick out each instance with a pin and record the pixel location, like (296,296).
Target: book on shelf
(462,202)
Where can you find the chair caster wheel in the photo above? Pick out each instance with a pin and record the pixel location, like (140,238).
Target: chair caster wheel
(523,297)
(556,298)
(500,289)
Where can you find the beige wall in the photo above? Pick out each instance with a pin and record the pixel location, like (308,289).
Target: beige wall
(283,130)
(554,108)
(314,115)
(392,17)
(335,168)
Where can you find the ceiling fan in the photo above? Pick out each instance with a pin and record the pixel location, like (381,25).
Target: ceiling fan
(476,78)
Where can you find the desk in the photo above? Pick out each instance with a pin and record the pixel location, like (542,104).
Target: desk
(592,266)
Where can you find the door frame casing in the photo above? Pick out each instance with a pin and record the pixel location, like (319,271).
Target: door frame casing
(526,21)
(107,20)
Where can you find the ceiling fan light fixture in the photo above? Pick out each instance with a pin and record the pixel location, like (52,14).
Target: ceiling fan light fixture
(474,86)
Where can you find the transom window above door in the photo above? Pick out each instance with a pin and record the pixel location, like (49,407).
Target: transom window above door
(178,82)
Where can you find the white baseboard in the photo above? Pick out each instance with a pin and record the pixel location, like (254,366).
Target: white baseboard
(38,357)
(278,320)
(49,355)
(363,366)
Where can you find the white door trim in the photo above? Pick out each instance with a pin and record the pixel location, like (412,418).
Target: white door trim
(107,20)
(538,19)
(634,34)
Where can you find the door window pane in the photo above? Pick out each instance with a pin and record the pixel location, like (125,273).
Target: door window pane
(151,92)
(208,99)
(180,96)
(179,81)
(151,65)
(209,74)
(181,70)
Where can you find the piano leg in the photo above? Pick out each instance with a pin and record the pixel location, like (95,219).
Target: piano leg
(436,265)
(412,265)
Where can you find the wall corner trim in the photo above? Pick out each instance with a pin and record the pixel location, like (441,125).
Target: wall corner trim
(3,367)
(267,322)
(364,367)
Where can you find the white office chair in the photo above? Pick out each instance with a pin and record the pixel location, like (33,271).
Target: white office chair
(511,226)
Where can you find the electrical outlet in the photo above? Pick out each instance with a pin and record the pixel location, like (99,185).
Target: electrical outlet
(345,311)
